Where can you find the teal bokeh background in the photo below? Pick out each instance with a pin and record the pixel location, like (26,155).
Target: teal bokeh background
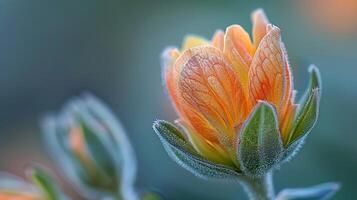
(51,50)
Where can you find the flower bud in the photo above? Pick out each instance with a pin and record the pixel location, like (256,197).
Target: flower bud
(43,187)
(235,101)
(13,188)
(91,147)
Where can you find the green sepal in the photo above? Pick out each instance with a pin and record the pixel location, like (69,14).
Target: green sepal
(94,135)
(309,107)
(260,146)
(306,116)
(45,183)
(185,155)
(319,192)
(100,155)
(293,149)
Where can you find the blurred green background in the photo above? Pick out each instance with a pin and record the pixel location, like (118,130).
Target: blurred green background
(51,50)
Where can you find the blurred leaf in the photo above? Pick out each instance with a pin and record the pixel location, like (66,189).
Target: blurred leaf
(151,196)
(100,155)
(260,145)
(183,153)
(319,192)
(117,143)
(94,136)
(46,184)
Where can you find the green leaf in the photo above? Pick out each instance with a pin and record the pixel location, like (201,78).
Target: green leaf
(319,192)
(306,116)
(260,146)
(98,144)
(46,184)
(151,196)
(184,154)
(101,156)
(293,149)
(309,107)
(95,136)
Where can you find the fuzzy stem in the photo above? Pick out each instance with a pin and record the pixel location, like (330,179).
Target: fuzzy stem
(113,197)
(259,188)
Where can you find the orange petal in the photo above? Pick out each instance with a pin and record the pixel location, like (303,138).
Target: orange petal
(267,72)
(237,49)
(193,41)
(171,70)
(260,21)
(289,108)
(77,143)
(168,59)
(289,95)
(218,39)
(269,75)
(209,86)
(18,196)
(287,119)
(199,123)
(210,150)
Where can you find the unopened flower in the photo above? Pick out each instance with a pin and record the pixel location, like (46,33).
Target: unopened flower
(91,147)
(42,186)
(236,103)
(14,188)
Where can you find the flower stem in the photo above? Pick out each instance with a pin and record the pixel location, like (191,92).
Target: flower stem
(259,188)
(114,196)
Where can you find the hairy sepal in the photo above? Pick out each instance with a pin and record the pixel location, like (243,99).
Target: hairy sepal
(260,146)
(185,155)
(306,116)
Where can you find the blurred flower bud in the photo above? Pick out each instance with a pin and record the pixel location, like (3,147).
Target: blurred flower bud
(14,188)
(43,187)
(91,147)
